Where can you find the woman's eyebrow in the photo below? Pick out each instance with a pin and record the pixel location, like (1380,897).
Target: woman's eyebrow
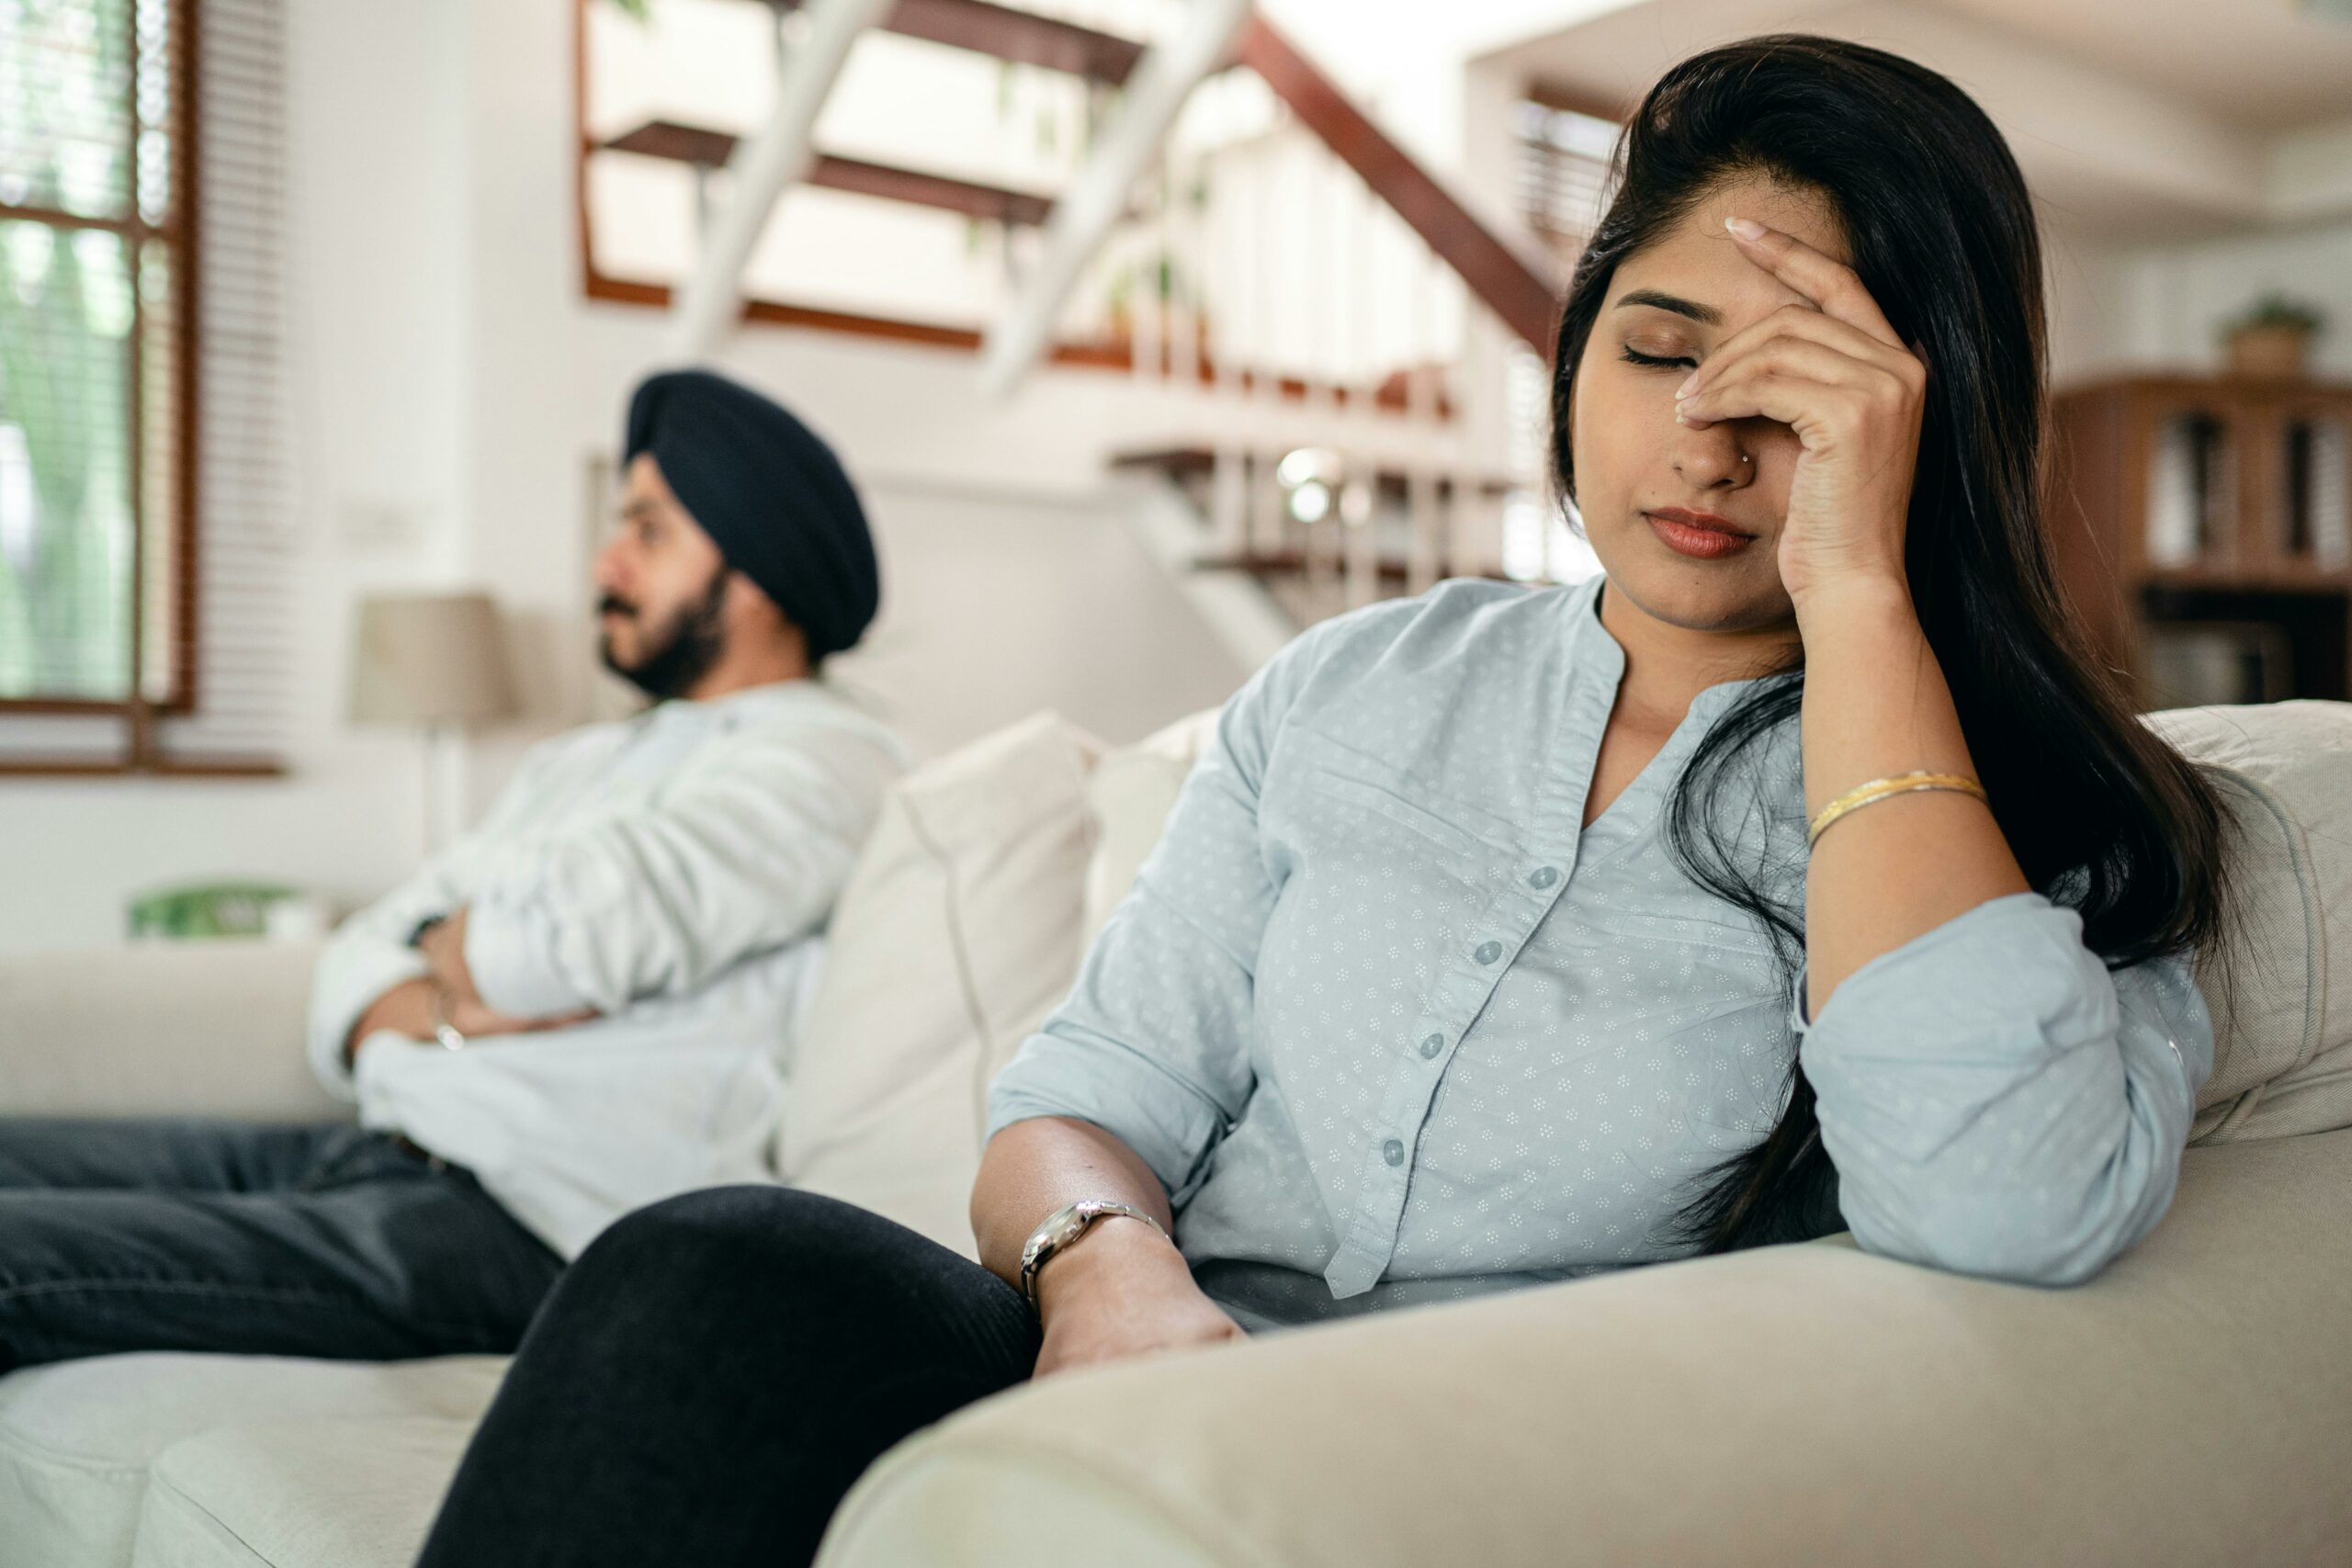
(1705,315)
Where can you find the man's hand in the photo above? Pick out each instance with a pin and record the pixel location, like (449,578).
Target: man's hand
(476,1021)
(406,1008)
(1121,1290)
(444,946)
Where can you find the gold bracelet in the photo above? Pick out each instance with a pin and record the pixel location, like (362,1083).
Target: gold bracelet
(1862,795)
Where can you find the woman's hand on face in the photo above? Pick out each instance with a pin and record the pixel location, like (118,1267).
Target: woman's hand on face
(1101,1302)
(1836,373)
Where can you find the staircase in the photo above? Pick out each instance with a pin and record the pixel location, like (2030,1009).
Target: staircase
(1339,351)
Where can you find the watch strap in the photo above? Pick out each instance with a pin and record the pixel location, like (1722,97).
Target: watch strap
(1064,1226)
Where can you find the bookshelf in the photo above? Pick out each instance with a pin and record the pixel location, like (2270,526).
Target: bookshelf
(2203,528)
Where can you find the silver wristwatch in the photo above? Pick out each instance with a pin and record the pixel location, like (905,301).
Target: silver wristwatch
(1063,1227)
(443,1029)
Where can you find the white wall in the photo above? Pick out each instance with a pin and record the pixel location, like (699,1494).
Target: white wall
(375,248)
(450,388)
(2166,305)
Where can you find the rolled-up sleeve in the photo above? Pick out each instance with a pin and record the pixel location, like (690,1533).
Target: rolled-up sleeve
(1998,1102)
(746,852)
(1153,1044)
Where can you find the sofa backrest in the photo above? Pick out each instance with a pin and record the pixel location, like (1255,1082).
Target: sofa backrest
(957,932)
(2281,992)
(993,867)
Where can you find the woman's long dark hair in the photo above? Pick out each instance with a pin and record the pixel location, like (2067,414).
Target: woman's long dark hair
(2102,815)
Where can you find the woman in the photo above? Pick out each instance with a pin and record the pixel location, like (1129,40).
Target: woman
(1490,943)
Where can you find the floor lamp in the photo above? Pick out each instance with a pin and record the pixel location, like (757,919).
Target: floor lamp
(437,662)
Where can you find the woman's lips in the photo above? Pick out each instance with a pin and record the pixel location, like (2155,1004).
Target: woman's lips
(1691,539)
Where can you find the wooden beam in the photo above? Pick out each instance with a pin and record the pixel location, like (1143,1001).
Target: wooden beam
(1496,275)
(710,150)
(711,300)
(666,139)
(1196,463)
(972,200)
(1554,96)
(156,767)
(1021,37)
(1097,195)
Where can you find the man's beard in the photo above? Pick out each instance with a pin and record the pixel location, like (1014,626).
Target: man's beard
(675,664)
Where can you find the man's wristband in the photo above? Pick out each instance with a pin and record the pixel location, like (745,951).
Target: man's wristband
(443,1029)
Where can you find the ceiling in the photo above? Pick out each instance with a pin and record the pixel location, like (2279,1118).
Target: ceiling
(2265,64)
(2136,118)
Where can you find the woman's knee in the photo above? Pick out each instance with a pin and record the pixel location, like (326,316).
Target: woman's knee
(760,1248)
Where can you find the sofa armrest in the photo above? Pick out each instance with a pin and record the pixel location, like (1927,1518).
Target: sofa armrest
(161,1029)
(1809,1405)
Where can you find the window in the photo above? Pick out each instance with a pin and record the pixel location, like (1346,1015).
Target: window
(106,471)
(1564,169)
(94,485)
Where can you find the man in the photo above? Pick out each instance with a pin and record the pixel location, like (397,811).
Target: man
(581,1007)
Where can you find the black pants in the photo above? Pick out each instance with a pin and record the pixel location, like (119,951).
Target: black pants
(289,1241)
(711,1376)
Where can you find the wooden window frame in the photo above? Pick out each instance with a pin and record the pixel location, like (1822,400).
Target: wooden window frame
(177,231)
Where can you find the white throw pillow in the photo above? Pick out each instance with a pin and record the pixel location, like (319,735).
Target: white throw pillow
(1133,791)
(956,932)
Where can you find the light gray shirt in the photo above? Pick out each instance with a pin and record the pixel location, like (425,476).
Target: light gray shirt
(672,872)
(1391,1024)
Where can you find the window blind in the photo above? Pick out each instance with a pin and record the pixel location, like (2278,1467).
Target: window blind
(184,180)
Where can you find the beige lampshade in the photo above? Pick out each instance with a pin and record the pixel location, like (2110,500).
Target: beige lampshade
(428,659)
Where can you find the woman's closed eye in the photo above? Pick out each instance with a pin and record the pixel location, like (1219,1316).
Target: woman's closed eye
(1635,357)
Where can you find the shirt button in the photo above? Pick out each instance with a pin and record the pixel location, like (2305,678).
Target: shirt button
(1488,952)
(1393,1151)
(1545,876)
(1433,1044)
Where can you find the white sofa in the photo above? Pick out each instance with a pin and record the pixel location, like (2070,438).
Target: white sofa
(1805,1405)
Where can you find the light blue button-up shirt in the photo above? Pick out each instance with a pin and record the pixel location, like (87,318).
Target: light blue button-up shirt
(1391,1024)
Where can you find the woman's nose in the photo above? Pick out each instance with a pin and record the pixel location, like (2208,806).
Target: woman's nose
(1710,459)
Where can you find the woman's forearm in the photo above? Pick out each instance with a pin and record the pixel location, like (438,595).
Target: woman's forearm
(1876,704)
(1033,1168)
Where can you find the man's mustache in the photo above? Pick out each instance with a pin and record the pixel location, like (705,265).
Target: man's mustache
(612,604)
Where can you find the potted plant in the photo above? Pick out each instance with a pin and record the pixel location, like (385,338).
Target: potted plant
(2274,338)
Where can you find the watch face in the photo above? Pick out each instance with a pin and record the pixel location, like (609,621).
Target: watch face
(1057,1228)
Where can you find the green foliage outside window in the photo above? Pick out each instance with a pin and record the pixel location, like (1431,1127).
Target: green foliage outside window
(85,193)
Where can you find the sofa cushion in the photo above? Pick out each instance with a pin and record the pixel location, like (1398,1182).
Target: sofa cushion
(1131,791)
(205,1028)
(2282,994)
(956,932)
(330,1494)
(1794,1406)
(77,1438)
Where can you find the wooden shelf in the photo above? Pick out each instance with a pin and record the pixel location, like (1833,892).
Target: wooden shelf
(160,767)
(2185,502)
(1020,36)
(1195,464)
(705,149)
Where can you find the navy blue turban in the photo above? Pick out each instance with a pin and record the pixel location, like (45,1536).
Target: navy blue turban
(770,493)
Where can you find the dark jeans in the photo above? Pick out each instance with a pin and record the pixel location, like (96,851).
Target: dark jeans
(712,1375)
(291,1241)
